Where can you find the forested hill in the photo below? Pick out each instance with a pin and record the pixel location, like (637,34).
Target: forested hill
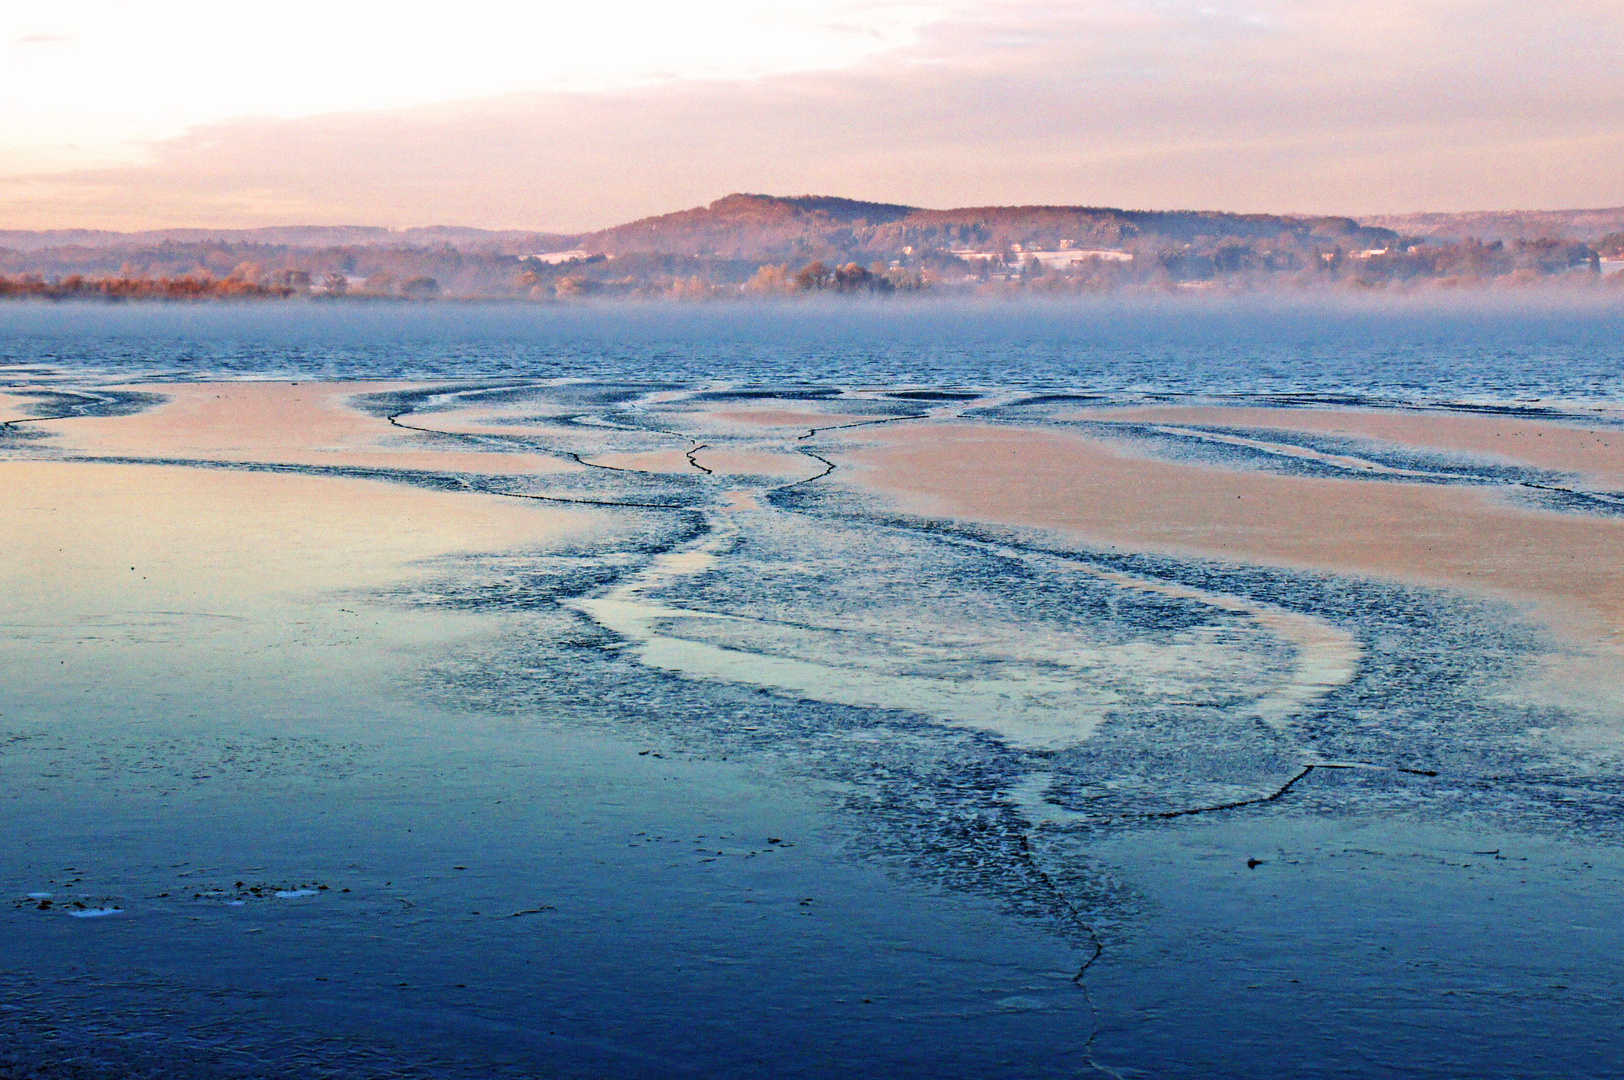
(1588,226)
(773,227)
(741,226)
(746,244)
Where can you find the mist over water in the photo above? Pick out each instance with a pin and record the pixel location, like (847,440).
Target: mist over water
(1481,347)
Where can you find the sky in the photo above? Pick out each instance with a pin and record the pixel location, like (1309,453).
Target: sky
(570,116)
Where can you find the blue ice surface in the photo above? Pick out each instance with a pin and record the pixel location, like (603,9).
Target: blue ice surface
(1364,946)
(524,904)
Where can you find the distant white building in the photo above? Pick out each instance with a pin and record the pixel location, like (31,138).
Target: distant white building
(1075,256)
(553,258)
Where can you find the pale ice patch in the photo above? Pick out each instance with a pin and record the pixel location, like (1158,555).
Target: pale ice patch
(1585,686)
(1037,687)
(1031,797)
(1021,703)
(1020,1003)
(1327,656)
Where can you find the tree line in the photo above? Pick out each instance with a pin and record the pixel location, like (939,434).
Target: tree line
(130,288)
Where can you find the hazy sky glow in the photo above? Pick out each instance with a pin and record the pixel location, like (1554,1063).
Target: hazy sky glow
(118,76)
(571,116)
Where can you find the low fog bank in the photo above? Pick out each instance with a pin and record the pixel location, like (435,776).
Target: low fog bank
(1485,344)
(1486,316)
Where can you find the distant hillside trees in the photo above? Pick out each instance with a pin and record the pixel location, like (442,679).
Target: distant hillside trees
(850,278)
(74,287)
(772,279)
(758,245)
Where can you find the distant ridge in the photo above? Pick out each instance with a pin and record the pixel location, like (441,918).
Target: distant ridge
(746,225)
(768,226)
(1585,225)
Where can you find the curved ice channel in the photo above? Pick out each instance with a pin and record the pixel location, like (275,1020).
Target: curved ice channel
(1030,686)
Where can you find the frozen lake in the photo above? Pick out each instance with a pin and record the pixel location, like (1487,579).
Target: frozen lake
(1174,690)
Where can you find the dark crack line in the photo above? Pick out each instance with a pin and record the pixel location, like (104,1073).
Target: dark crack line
(394,419)
(829,466)
(812,433)
(1280,793)
(578,459)
(85,395)
(452,397)
(503,444)
(9,424)
(697,447)
(468,436)
(1608,497)
(1096,949)
(694,445)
